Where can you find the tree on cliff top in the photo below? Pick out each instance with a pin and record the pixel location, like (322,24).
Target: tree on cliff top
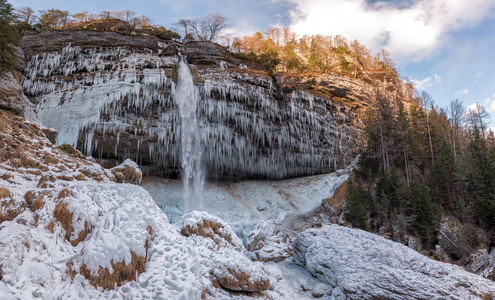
(205,29)
(8,37)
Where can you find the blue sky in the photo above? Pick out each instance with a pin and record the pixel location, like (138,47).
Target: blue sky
(444,46)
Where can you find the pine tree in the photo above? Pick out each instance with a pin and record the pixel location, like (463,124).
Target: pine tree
(444,178)
(355,197)
(8,37)
(481,180)
(422,213)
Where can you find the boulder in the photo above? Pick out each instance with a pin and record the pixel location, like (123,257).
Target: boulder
(212,231)
(363,265)
(268,243)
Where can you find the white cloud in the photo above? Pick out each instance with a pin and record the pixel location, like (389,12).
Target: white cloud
(438,79)
(461,92)
(422,84)
(479,74)
(410,31)
(489,104)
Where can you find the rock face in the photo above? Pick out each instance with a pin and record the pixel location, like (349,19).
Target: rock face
(113,96)
(362,265)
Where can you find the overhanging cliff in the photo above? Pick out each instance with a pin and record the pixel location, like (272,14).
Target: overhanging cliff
(112,96)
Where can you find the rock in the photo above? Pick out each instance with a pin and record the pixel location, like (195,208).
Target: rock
(268,243)
(483,263)
(319,290)
(51,134)
(127,172)
(11,95)
(363,265)
(213,231)
(255,127)
(241,275)
(54,40)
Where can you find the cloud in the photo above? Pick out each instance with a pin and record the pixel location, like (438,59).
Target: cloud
(461,92)
(409,30)
(438,79)
(489,104)
(422,84)
(479,74)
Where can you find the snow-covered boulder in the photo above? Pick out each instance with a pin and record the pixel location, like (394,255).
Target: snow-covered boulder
(239,274)
(268,243)
(361,265)
(127,172)
(209,230)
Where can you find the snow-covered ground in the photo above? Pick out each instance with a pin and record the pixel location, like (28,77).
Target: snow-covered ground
(70,229)
(242,205)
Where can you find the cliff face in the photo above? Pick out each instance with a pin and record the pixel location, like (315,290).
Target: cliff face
(113,96)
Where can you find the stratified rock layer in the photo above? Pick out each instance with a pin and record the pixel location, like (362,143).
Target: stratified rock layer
(114,96)
(362,265)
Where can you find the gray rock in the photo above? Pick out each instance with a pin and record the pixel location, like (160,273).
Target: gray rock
(366,266)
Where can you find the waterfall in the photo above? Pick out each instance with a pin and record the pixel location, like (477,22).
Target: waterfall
(186,95)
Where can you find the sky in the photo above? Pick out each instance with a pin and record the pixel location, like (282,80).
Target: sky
(445,47)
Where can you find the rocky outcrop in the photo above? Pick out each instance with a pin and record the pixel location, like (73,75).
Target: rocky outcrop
(113,96)
(361,265)
(210,229)
(11,91)
(268,243)
(55,40)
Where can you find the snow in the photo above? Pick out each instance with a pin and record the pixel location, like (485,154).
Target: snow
(337,262)
(367,266)
(238,203)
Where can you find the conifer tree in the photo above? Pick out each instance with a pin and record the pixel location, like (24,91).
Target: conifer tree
(8,37)
(355,197)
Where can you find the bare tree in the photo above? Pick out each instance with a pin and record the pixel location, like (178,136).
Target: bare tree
(118,14)
(478,118)
(427,104)
(128,14)
(456,120)
(182,27)
(208,28)
(26,14)
(105,14)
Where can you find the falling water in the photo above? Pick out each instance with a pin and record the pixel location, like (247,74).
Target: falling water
(186,96)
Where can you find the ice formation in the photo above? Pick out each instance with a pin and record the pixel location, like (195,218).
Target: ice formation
(193,175)
(128,96)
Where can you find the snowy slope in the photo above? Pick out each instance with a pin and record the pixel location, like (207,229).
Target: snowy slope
(67,229)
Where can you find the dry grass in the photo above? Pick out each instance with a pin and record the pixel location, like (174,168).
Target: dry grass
(34,199)
(65,178)
(64,216)
(9,210)
(46,181)
(64,194)
(4,193)
(7,177)
(121,273)
(127,174)
(69,149)
(50,226)
(208,229)
(241,282)
(489,296)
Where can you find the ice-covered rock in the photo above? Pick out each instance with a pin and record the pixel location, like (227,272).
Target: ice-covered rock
(361,265)
(127,172)
(267,243)
(240,275)
(212,231)
(113,97)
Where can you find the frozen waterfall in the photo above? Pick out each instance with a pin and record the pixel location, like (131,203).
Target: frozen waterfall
(186,96)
